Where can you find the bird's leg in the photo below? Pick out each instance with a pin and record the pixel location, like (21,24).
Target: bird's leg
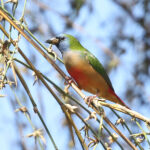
(89,99)
(68,80)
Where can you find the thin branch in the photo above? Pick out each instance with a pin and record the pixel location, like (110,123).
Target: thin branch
(72,98)
(75,128)
(124,124)
(79,116)
(125,110)
(27,115)
(34,105)
(60,71)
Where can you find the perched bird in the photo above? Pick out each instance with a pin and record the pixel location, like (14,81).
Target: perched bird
(85,68)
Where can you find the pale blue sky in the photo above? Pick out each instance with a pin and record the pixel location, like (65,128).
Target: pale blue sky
(102,28)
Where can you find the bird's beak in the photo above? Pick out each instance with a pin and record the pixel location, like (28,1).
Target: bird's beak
(53,41)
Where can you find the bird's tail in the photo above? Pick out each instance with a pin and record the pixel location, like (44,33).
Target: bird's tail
(117,99)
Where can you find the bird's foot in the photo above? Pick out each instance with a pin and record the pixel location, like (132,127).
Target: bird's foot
(89,99)
(102,99)
(68,80)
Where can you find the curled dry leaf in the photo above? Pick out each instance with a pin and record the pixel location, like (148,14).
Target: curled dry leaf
(37,133)
(71,108)
(113,139)
(22,109)
(66,88)
(35,77)
(107,146)
(140,139)
(120,120)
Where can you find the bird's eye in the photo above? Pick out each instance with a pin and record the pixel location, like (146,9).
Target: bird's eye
(62,38)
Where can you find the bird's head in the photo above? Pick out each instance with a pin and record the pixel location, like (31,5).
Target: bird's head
(65,42)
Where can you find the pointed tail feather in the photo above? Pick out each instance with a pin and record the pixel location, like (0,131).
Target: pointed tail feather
(118,99)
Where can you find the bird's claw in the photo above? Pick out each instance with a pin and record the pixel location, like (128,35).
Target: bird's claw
(68,80)
(67,83)
(89,99)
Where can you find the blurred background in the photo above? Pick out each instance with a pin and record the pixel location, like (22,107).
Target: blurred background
(117,32)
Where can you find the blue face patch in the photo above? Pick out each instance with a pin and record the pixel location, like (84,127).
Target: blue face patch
(63,43)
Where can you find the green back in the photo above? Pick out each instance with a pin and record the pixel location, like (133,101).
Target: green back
(93,61)
(99,68)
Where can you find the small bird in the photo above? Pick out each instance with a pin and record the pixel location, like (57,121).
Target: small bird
(85,68)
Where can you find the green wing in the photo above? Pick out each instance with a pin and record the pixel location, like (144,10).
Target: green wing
(94,62)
